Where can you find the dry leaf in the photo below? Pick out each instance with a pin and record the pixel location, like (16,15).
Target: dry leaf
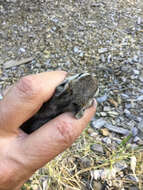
(113,102)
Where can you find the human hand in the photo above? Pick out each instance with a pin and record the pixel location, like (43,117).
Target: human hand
(21,154)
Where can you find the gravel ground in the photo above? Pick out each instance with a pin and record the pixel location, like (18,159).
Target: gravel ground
(102,37)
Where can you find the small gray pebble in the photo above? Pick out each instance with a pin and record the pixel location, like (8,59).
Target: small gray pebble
(76,49)
(102,50)
(141,78)
(127,113)
(101,99)
(134,131)
(107,108)
(97,124)
(97,148)
(124,96)
(136,72)
(22,50)
(140,98)
(139,20)
(135,58)
(136,139)
(128,106)
(107,140)
(103,59)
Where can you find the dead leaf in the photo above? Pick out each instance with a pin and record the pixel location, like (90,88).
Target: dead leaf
(113,102)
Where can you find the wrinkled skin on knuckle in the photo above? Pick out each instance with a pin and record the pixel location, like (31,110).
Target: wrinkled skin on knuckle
(10,177)
(28,87)
(6,173)
(66,132)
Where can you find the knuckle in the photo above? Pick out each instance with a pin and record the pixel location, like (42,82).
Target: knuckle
(5,173)
(66,131)
(28,88)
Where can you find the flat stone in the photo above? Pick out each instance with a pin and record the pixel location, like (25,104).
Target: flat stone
(141,77)
(97,185)
(103,114)
(128,106)
(136,72)
(140,125)
(76,49)
(140,98)
(113,113)
(136,139)
(127,112)
(134,131)
(97,124)
(107,108)
(120,166)
(124,96)
(97,148)
(103,59)
(115,129)
(139,20)
(107,140)
(101,99)
(22,50)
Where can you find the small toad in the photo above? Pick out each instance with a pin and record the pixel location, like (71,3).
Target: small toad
(75,94)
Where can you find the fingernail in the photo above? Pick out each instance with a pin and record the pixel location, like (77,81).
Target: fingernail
(94,103)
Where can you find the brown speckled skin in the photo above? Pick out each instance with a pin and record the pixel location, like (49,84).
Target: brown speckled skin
(73,95)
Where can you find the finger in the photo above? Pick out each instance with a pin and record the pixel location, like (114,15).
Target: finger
(54,137)
(26,97)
